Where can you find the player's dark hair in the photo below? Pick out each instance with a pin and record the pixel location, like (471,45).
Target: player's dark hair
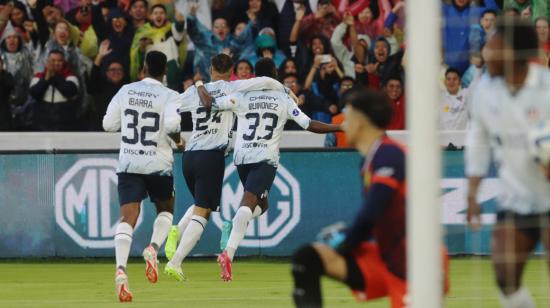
(266,67)
(158,5)
(520,35)
(156,63)
(222,63)
(452,70)
(373,104)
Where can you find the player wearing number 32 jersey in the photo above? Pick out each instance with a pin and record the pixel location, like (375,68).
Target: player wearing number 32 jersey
(261,119)
(204,157)
(141,112)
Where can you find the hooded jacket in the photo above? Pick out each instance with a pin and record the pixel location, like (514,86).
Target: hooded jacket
(20,65)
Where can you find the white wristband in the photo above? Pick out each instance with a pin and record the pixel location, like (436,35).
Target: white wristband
(199,83)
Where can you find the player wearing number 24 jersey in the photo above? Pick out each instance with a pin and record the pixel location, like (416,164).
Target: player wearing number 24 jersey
(261,119)
(141,110)
(204,157)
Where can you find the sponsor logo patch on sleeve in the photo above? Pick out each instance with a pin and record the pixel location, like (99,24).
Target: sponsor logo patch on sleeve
(295,112)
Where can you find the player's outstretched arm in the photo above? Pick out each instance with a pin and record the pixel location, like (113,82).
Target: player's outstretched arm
(323,128)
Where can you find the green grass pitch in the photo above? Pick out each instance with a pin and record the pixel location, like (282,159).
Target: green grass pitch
(258,283)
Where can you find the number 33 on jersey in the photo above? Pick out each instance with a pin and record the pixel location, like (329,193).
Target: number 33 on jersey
(143,112)
(261,119)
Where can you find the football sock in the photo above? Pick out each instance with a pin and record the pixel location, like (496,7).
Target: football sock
(519,299)
(123,241)
(240,223)
(307,269)
(184,221)
(257,211)
(189,239)
(161,227)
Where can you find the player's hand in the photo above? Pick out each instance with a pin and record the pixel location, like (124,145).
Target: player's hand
(473,213)
(181,145)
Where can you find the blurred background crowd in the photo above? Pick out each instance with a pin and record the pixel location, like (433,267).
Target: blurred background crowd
(61,61)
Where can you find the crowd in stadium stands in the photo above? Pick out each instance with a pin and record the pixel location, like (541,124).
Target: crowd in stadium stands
(61,61)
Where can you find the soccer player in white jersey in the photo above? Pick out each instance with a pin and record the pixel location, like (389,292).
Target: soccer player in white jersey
(142,112)
(504,108)
(203,160)
(261,118)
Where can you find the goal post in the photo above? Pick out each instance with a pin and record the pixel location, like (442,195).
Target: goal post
(424,231)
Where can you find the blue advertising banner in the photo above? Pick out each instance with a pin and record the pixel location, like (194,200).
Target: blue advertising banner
(67,205)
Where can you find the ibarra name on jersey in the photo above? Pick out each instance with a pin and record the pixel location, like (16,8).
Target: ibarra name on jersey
(140,102)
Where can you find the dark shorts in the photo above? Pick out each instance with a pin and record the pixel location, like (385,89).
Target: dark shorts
(531,224)
(203,172)
(134,187)
(257,178)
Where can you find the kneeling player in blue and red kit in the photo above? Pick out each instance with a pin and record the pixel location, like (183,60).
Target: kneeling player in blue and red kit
(371,260)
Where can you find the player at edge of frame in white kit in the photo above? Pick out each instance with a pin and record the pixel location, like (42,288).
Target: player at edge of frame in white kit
(505,107)
(142,112)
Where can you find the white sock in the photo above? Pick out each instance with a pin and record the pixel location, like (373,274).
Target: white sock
(184,221)
(189,239)
(123,241)
(257,211)
(240,223)
(519,299)
(161,227)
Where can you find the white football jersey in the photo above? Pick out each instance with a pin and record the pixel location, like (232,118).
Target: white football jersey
(500,122)
(211,130)
(261,119)
(145,113)
(453,110)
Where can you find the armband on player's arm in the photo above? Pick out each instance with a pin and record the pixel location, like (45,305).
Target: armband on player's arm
(323,128)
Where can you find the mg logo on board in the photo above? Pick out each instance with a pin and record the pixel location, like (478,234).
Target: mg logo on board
(86,202)
(273,226)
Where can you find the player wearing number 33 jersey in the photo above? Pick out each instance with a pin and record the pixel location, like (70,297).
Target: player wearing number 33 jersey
(261,119)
